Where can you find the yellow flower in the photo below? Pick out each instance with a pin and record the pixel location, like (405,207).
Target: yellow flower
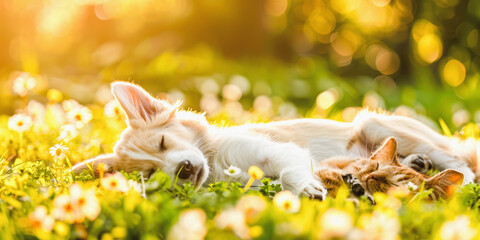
(23,83)
(287,201)
(457,229)
(255,231)
(54,95)
(190,225)
(115,182)
(58,151)
(40,219)
(79,116)
(335,223)
(20,122)
(255,172)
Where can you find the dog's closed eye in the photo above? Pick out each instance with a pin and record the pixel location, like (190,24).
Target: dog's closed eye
(162,144)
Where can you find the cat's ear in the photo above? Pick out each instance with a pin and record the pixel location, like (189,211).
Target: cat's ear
(109,162)
(444,183)
(136,102)
(387,153)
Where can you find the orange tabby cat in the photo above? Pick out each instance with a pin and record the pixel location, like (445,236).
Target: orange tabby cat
(383,171)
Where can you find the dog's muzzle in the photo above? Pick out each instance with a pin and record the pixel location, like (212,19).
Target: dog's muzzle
(186,170)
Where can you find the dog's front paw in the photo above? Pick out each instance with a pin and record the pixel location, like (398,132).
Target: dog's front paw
(418,162)
(315,190)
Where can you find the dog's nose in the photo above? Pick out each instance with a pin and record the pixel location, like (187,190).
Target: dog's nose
(186,169)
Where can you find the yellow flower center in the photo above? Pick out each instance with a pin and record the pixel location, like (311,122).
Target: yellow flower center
(58,151)
(68,208)
(35,223)
(20,123)
(113,183)
(231,171)
(287,205)
(81,201)
(78,117)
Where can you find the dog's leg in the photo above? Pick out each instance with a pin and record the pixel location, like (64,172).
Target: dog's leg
(418,162)
(413,137)
(286,161)
(294,166)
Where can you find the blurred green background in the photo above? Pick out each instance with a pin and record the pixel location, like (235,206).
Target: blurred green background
(249,60)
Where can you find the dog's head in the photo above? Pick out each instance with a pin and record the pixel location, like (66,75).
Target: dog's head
(158,136)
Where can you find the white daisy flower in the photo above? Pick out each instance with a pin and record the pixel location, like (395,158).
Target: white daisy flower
(68,132)
(232,171)
(36,110)
(460,228)
(20,122)
(23,83)
(70,104)
(287,201)
(112,109)
(58,151)
(116,182)
(134,185)
(79,116)
(412,186)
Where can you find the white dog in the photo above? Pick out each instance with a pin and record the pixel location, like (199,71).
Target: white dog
(161,136)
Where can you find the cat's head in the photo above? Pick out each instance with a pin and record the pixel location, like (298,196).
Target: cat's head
(383,171)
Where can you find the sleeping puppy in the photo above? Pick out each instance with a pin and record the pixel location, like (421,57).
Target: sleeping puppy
(162,136)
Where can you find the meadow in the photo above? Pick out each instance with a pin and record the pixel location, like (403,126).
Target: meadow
(238,62)
(41,198)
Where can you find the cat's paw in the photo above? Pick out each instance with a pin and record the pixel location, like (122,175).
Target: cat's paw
(315,190)
(418,162)
(354,184)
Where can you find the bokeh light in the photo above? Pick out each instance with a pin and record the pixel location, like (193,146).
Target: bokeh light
(429,48)
(454,72)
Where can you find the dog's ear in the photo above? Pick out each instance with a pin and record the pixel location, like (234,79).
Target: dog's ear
(136,102)
(444,183)
(108,161)
(387,153)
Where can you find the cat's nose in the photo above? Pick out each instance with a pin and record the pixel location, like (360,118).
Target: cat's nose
(185,169)
(357,190)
